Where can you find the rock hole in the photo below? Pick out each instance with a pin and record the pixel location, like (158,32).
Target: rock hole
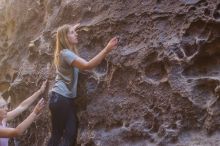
(158,1)
(102,68)
(192,9)
(216,14)
(91,85)
(189,80)
(207,12)
(155,71)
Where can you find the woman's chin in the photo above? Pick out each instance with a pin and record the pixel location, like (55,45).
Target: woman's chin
(74,43)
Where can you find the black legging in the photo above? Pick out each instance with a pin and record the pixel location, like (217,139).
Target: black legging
(64,120)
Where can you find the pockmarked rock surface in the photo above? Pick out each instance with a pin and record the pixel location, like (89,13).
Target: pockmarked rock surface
(161,86)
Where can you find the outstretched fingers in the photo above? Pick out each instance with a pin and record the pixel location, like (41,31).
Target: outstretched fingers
(39,107)
(112,43)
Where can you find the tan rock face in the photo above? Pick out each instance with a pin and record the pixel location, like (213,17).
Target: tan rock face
(160,87)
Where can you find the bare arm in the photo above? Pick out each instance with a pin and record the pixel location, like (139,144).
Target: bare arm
(8,132)
(26,103)
(83,64)
(19,130)
(13,132)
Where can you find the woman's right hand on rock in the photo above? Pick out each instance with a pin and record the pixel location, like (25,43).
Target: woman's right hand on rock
(112,44)
(39,107)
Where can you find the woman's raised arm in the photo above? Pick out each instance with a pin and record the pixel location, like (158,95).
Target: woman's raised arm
(84,65)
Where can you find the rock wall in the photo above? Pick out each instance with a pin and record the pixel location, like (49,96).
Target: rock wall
(159,87)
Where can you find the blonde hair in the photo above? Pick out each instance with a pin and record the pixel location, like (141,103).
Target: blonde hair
(62,42)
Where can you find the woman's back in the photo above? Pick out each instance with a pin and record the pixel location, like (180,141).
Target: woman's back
(67,76)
